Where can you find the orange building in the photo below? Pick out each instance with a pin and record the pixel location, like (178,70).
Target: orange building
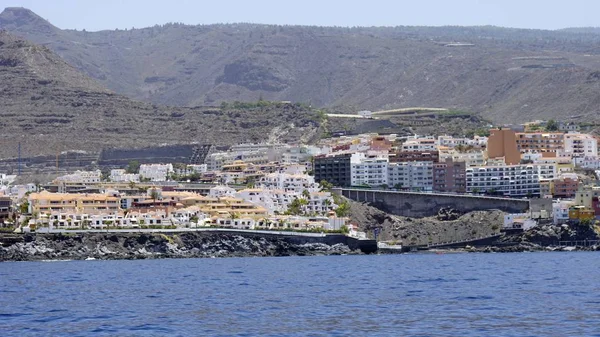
(502,143)
(540,142)
(380,143)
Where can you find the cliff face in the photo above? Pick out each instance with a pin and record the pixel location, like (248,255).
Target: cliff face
(72,246)
(505,74)
(49,106)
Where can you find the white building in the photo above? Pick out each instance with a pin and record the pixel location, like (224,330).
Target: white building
(221,191)
(197,168)
(156,172)
(365,113)
(289,182)
(120,175)
(581,145)
(81,177)
(416,175)
(295,154)
(507,180)
(560,211)
(450,141)
(420,144)
(471,158)
(587,162)
(248,153)
(370,171)
(518,221)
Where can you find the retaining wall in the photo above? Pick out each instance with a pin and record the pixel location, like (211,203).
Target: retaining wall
(414,204)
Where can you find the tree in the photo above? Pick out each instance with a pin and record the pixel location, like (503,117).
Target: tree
(133,167)
(295,207)
(24,207)
(326,204)
(154,195)
(326,185)
(306,194)
(343,209)
(551,125)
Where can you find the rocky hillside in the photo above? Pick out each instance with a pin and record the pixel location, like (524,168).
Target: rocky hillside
(504,74)
(446,227)
(49,106)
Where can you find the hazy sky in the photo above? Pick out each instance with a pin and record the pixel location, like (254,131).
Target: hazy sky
(111,14)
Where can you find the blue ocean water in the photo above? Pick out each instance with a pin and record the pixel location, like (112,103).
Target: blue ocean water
(528,294)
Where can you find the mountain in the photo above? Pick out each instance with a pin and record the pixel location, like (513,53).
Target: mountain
(501,73)
(49,106)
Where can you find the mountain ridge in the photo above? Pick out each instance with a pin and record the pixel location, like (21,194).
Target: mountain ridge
(500,73)
(48,106)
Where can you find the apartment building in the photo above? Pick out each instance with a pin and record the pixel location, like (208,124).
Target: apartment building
(470,158)
(502,145)
(369,171)
(508,180)
(335,169)
(156,172)
(81,177)
(405,156)
(580,145)
(289,182)
(88,203)
(450,141)
(565,187)
(411,175)
(420,144)
(540,142)
(449,176)
(120,175)
(587,162)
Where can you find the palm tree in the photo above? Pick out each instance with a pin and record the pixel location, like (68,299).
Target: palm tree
(303,203)
(154,195)
(326,204)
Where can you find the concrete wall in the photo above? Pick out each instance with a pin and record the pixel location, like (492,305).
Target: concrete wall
(414,204)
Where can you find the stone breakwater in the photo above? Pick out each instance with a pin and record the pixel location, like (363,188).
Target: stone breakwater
(79,246)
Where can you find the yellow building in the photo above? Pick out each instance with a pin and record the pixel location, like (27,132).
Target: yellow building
(581,213)
(225,207)
(88,203)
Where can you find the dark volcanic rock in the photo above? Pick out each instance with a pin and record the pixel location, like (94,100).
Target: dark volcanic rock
(154,245)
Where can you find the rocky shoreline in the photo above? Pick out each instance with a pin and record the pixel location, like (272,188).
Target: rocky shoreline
(520,248)
(111,246)
(548,238)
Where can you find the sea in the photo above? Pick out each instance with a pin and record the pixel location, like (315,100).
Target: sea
(514,294)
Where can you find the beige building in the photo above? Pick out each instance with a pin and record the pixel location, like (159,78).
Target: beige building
(540,142)
(502,143)
(88,203)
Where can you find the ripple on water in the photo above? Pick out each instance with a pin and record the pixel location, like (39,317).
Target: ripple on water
(393,295)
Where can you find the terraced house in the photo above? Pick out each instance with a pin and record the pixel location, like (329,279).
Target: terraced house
(89,203)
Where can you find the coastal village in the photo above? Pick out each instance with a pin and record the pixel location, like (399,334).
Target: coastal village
(290,187)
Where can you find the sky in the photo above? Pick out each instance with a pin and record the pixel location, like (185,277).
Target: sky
(94,15)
